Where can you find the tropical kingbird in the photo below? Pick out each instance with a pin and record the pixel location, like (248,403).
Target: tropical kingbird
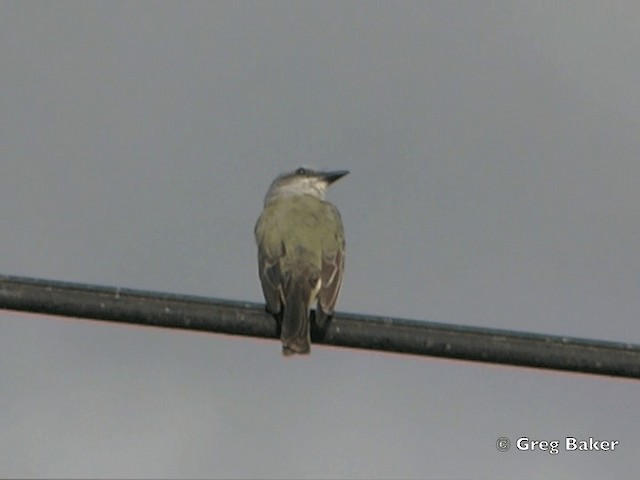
(300,253)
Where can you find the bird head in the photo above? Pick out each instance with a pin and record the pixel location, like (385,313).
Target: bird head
(303,181)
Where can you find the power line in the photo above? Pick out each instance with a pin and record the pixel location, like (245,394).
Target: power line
(346,330)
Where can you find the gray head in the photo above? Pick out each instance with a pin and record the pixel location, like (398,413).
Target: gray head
(303,181)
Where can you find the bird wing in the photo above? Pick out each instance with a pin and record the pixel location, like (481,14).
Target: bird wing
(331,273)
(331,269)
(271,280)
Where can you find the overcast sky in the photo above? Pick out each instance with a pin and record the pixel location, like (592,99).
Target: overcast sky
(494,151)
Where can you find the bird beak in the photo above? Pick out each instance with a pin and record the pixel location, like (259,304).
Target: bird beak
(331,177)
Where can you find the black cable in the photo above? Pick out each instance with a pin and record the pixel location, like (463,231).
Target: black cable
(346,330)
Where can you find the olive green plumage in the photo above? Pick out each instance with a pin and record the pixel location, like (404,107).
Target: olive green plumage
(301,248)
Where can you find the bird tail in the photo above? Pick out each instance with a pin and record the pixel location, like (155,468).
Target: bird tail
(295,333)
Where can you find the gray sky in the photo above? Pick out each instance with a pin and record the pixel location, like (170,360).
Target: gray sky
(494,152)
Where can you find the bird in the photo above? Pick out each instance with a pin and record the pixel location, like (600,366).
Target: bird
(301,250)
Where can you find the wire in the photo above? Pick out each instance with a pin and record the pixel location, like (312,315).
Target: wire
(122,305)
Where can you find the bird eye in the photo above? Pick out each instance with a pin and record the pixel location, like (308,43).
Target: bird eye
(301,171)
